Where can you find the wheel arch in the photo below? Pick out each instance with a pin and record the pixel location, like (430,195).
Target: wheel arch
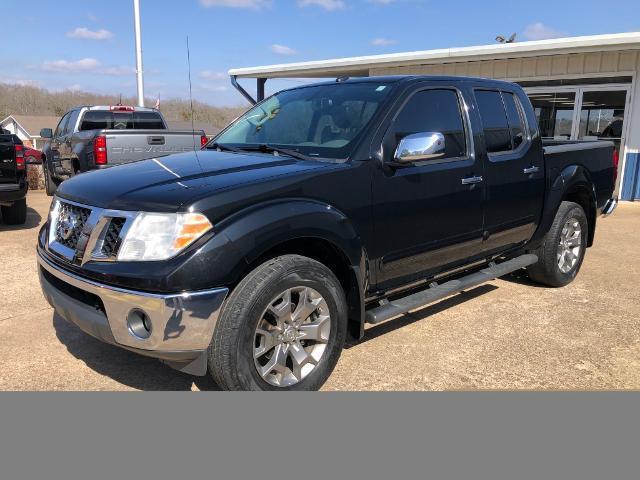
(309,228)
(573,184)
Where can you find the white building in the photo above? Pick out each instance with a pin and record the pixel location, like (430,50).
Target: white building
(27,127)
(580,87)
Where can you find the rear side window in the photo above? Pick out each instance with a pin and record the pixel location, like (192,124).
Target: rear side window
(497,135)
(434,111)
(514,115)
(103,119)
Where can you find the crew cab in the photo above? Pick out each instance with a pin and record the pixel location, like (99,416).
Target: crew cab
(13,180)
(322,208)
(95,137)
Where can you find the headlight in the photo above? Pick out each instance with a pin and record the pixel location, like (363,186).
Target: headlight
(158,236)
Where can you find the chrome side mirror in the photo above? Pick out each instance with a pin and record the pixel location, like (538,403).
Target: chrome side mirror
(420,146)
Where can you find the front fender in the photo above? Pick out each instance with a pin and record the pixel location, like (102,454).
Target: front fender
(258,229)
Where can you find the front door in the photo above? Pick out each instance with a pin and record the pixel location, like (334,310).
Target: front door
(426,218)
(57,145)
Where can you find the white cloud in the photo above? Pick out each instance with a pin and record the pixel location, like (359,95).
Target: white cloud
(539,31)
(209,75)
(250,4)
(66,66)
(86,34)
(326,4)
(282,49)
(118,71)
(76,87)
(381,41)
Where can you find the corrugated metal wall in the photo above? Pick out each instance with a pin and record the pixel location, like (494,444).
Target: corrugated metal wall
(568,65)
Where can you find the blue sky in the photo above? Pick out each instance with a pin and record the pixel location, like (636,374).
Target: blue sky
(88,44)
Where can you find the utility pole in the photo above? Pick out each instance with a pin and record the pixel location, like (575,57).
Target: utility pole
(139,77)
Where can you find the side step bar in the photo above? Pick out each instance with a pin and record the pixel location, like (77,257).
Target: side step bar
(437,292)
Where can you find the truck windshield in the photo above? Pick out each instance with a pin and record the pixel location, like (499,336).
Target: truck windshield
(104,119)
(319,121)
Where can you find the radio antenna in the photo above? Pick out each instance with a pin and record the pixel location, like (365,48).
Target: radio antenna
(193,136)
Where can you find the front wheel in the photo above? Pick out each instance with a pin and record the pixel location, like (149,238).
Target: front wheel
(50,184)
(282,328)
(561,254)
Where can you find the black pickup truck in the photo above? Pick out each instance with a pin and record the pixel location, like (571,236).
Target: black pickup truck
(13,180)
(322,208)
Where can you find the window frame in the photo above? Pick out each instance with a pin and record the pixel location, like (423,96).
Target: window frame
(68,128)
(523,118)
(466,124)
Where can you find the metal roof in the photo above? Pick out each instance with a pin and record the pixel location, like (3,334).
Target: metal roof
(360,66)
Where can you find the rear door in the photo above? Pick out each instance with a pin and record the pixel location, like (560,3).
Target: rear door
(514,173)
(428,215)
(8,172)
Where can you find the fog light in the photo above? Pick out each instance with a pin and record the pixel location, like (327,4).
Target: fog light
(139,324)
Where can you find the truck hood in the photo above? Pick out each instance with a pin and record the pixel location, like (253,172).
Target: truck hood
(167,183)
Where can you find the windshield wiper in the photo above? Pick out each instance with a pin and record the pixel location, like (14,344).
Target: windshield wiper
(220,147)
(284,151)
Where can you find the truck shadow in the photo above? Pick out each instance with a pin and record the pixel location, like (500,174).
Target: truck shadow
(422,314)
(125,367)
(33,221)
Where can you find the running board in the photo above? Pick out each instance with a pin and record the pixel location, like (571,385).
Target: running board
(437,292)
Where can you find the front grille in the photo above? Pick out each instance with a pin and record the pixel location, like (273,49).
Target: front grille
(70,222)
(111,243)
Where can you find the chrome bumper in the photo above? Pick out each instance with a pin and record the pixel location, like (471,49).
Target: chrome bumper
(609,207)
(180,322)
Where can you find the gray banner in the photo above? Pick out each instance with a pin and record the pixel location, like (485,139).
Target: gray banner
(320,435)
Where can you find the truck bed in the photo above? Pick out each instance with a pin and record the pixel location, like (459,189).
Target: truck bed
(595,156)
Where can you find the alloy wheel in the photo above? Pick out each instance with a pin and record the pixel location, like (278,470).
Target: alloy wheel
(568,252)
(291,336)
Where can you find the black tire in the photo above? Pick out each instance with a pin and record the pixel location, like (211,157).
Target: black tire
(231,360)
(50,184)
(16,214)
(547,270)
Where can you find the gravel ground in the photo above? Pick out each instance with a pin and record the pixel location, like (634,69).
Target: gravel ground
(508,334)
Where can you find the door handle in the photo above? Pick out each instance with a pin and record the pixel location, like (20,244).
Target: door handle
(530,170)
(471,180)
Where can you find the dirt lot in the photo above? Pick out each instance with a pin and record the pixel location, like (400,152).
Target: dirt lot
(508,334)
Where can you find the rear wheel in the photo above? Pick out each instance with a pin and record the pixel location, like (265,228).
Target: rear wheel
(16,214)
(282,328)
(561,254)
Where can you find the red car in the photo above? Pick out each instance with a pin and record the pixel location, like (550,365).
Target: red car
(31,155)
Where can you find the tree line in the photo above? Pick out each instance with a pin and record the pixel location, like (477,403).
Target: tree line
(32,100)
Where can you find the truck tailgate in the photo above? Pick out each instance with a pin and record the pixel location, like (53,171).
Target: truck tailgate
(8,173)
(124,146)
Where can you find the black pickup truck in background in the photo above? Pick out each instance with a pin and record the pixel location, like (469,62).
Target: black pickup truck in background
(323,208)
(13,180)
(95,137)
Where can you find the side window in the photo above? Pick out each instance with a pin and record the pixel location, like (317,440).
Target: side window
(73,119)
(514,115)
(61,126)
(434,111)
(497,135)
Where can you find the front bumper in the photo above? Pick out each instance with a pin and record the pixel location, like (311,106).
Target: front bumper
(181,324)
